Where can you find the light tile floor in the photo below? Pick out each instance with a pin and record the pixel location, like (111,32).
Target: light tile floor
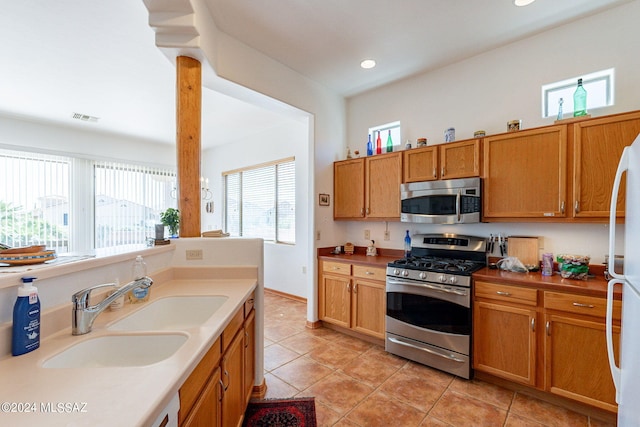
(356,383)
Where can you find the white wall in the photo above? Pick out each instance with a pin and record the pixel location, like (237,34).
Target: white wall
(486,91)
(20,133)
(283,263)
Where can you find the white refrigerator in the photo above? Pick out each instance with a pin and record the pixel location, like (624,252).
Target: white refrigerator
(626,375)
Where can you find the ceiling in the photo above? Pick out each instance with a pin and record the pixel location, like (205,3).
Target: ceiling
(98,58)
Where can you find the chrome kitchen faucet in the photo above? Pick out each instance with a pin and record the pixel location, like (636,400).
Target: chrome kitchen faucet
(83,315)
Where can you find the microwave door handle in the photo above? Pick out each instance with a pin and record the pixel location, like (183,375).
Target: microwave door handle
(458,207)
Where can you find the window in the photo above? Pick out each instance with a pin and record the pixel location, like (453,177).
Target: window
(599,87)
(34,200)
(392,129)
(261,202)
(45,200)
(128,202)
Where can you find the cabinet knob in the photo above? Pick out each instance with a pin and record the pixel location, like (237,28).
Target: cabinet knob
(442,171)
(576,207)
(548,328)
(369,273)
(435,173)
(503,293)
(562,207)
(533,324)
(355,288)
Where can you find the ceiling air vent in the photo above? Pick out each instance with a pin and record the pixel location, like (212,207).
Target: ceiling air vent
(85,117)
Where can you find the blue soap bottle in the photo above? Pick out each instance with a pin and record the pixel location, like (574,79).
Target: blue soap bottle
(26,319)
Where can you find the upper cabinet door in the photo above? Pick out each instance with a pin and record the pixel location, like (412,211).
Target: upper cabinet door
(598,145)
(525,174)
(348,189)
(420,164)
(383,178)
(460,159)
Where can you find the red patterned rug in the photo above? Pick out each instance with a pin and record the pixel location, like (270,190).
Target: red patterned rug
(300,412)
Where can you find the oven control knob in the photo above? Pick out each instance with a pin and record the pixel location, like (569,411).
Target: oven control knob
(453,280)
(396,272)
(405,273)
(442,278)
(422,275)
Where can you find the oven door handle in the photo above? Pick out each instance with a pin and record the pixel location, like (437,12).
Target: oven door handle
(438,353)
(425,285)
(459,205)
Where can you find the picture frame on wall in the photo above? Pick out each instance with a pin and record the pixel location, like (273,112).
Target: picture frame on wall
(324,199)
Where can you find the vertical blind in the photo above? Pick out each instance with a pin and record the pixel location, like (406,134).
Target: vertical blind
(261,202)
(128,202)
(34,200)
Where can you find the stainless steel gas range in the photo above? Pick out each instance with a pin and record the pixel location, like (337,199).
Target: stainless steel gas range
(428,317)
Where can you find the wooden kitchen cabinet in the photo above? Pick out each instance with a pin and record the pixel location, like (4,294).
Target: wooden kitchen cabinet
(353,297)
(348,189)
(232,376)
(597,147)
(218,390)
(576,360)
(565,355)
(200,393)
(368,188)
(445,161)
(504,328)
(249,354)
(525,174)
(460,159)
(206,410)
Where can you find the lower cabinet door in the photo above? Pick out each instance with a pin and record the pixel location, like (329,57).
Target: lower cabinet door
(335,300)
(504,341)
(206,411)
(249,354)
(577,364)
(369,307)
(233,398)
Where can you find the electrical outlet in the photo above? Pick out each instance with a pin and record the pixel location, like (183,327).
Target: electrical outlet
(387,235)
(318,235)
(194,254)
(367,234)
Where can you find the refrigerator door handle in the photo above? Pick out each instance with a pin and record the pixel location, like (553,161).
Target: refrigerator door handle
(615,370)
(623,166)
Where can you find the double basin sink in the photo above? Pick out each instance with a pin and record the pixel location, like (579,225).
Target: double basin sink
(146,336)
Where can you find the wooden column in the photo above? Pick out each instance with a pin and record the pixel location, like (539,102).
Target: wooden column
(188,123)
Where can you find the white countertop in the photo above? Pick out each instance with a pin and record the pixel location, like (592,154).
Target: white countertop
(127,396)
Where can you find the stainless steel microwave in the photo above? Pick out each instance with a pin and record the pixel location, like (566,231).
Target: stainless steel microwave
(452,201)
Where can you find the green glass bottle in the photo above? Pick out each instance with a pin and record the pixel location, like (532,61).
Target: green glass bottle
(580,101)
(389,143)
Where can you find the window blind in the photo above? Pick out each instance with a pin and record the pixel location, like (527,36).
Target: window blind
(260,202)
(128,202)
(34,200)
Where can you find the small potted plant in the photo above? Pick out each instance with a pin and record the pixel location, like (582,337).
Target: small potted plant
(171,218)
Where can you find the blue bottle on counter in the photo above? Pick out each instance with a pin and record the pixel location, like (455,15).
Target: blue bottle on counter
(26,319)
(407,245)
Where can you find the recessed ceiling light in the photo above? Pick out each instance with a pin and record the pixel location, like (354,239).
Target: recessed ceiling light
(368,63)
(522,2)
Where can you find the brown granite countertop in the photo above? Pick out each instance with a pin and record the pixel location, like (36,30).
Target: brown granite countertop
(594,286)
(384,257)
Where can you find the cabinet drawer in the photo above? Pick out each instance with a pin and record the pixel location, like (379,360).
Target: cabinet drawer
(580,304)
(193,386)
(231,329)
(494,291)
(336,267)
(367,272)
(249,303)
